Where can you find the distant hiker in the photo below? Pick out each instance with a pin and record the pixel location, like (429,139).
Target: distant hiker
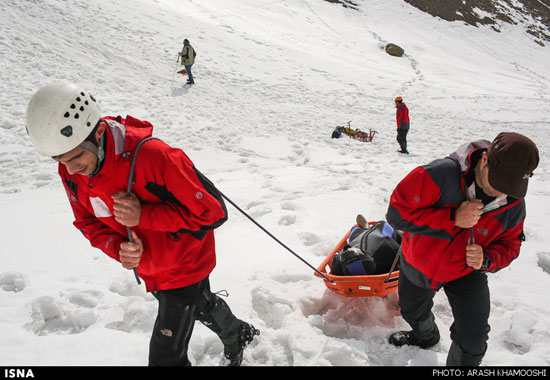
(172,211)
(402,116)
(188,55)
(462,216)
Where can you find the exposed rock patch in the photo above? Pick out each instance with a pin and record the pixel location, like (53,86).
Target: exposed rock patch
(533,14)
(394,50)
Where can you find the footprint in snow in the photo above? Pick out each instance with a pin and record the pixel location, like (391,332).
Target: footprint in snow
(138,315)
(287,220)
(522,328)
(544,261)
(289,206)
(54,316)
(13,281)
(270,308)
(260,211)
(309,239)
(86,298)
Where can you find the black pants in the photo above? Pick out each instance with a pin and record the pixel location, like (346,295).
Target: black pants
(402,138)
(178,311)
(470,305)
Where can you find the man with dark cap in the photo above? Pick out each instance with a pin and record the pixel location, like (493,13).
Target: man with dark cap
(462,217)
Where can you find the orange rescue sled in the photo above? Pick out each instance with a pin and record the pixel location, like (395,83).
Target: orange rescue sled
(356,286)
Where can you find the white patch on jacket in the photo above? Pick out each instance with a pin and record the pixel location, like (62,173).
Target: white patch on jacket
(100,208)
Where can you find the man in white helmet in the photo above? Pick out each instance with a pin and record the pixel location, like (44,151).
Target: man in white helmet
(171,211)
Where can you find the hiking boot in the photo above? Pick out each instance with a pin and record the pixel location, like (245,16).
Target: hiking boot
(401,338)
(361,221)
(247,332)
(403,151)
(233,360)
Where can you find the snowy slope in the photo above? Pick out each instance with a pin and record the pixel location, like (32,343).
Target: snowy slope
(273,79)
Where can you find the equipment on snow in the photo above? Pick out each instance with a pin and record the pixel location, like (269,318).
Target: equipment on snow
(60,116)
(363,262)
(356,134)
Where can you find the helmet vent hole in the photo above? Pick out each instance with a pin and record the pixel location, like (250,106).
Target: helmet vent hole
(67,114)
(73,106)
(81,108)
(67,131)
(76,116)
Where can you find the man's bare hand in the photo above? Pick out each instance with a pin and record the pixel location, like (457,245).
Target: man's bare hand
(474,256)
(130,252)
(468,214)
(127,209)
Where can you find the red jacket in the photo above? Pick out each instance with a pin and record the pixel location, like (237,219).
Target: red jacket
(179,206)
(433,248)
(402,116)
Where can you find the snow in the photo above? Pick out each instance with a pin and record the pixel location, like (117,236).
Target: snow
(273,79)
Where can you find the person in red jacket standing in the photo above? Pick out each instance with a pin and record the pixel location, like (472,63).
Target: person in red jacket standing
(402,117)
(171,211)
(462,217)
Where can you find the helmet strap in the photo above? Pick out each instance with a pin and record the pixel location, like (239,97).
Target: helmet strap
(98,150)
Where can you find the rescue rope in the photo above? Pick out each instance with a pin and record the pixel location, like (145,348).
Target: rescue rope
(273,237)
(129,190)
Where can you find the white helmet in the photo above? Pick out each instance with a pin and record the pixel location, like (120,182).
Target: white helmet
(60,116)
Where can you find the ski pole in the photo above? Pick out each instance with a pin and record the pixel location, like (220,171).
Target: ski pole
(175,70)
(129,191)
(132,240)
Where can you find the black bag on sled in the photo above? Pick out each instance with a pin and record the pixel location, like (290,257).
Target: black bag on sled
(369,251)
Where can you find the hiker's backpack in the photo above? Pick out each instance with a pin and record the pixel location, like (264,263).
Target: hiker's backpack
(369,251)
(208,186)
